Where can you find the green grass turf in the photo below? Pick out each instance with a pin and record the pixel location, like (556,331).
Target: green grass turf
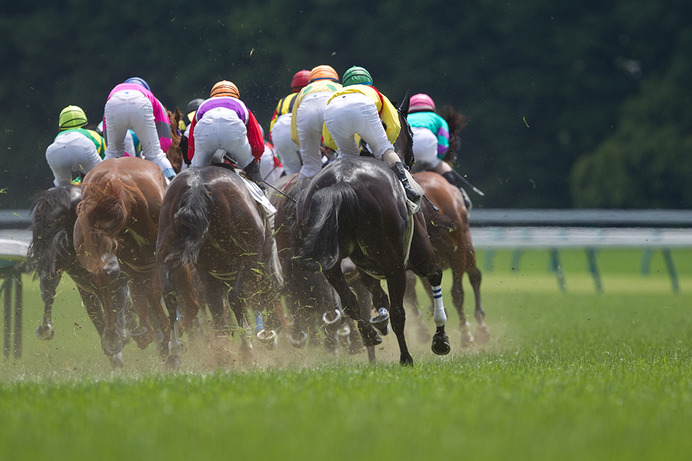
(568,375)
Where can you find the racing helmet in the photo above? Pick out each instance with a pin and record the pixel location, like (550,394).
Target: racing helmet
(421,102)
(225,88)
(72,117)
(138,81)
(299,80)
(357,75)
(323,72)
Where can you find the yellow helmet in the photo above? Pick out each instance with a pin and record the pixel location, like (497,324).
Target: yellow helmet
(225,88)
(323,72)
(72,117)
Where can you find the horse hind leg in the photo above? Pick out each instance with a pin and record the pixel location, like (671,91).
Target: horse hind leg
(49,284)
(482,332)
(440,343)
(458,300)
(396,284)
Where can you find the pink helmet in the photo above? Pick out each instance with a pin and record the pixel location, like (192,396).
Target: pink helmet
(421,102)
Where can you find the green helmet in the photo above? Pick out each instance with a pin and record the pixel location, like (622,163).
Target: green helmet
(356,76)
(72,117)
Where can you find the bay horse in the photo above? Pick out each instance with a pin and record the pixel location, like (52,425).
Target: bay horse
(450,235)
(210,221)
(52,253)
(355,207)
(115,240)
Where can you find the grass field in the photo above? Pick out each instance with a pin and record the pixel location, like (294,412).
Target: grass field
(569,375)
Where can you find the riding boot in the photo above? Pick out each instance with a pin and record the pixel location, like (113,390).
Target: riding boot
(411,193)
(452,179)
(253,174)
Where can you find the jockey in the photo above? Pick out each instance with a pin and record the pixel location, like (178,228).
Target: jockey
(280,125)
(223,123)
(431,139)
(75,148)
(360,109)
(132,105)
(308,117)
(184,127)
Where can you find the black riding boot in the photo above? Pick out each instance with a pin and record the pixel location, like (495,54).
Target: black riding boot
(400,172)
(452,179)
(253,174)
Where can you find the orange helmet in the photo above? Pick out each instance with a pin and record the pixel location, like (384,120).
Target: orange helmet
(225,88)
(323,72)
(300,79)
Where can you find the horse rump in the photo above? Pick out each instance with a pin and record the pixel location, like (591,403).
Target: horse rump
(318,214)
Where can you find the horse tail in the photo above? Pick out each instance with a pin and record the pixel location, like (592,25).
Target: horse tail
(53,216)
(318,243)
(191,223)
(104,214)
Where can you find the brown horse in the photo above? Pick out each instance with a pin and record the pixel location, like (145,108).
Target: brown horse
(355,207)
(450,234)
(115,238)
(54,212)
(210,221)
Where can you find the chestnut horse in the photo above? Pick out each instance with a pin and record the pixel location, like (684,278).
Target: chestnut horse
(355,207)
(51,251)
(115,238)
(450,234)
(210,221)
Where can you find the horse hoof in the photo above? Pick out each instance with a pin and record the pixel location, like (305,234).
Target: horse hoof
(335,317)
(172,362)
(268,338)
(482,334)
(117,360)
(371,337)
(440,344)
(45,332)
(381,321)
(298,341)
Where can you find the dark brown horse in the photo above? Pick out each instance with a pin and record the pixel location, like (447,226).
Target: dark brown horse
(54,212)
(355,207)
(210,221)
(310,300)
(450,234)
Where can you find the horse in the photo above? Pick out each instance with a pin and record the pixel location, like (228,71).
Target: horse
(448,228)
(174,154)
(52,253)
(310,299)
(355,207)
(210,221)
(115,240)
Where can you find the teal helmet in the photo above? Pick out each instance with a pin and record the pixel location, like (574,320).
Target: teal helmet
(356,76)
(139,81)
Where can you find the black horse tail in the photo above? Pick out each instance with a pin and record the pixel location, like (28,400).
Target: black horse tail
(318,225)
(191,223)
(53,216)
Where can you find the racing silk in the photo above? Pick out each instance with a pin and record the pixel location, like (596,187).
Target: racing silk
(163,123)
(285,106)
(315,87)
(388,113)
(254,131)
(92,135)
(435,123)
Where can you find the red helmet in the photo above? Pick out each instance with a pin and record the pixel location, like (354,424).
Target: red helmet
(300,79)
(421,102)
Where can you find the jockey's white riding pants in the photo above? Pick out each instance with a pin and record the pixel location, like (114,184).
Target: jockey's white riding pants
(71,152)
(131,110)
(269,169)
(309,121)
(351,114)
(425,148)
(286,148)
(221,129)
